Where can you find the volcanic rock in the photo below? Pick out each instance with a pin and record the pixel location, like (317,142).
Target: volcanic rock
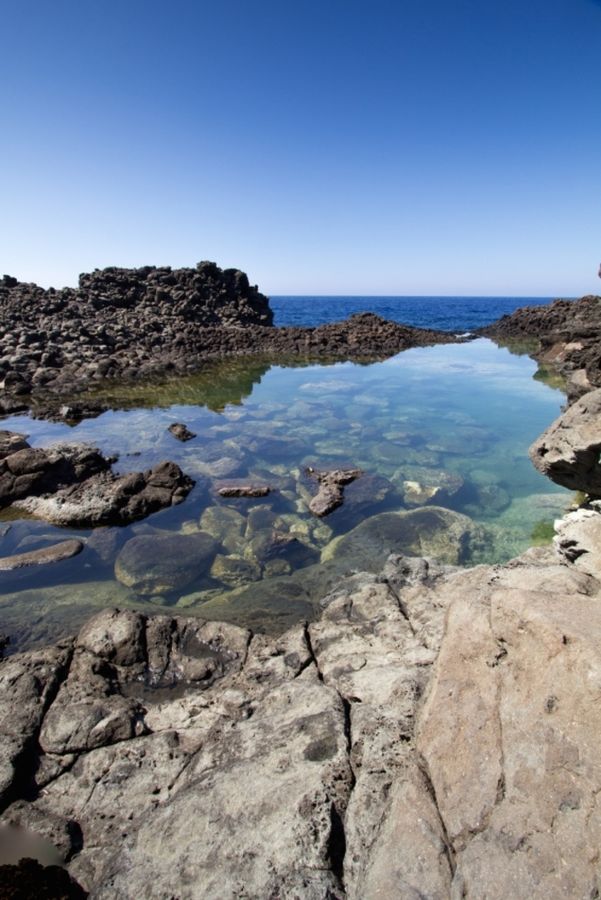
(43,556)
(160,563)
(568,451)
(181,432)
(331,489)
(108,499)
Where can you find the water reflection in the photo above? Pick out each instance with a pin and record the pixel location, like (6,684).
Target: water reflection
(446,426)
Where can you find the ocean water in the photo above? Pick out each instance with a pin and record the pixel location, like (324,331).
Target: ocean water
(448,425)
(455,314)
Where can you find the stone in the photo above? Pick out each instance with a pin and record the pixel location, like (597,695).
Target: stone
(161,563)
(431,531)
(181,432)
(29,878)
(568,451)
(226,525)
(42,556)
(28,683)
(330,494)
(578,539)
(237,488)
(234,570)
(508,733)
(107,499)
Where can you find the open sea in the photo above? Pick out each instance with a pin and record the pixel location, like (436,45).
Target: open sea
(456,314)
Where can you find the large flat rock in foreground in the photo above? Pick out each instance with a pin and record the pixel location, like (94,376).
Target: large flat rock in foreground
(434,734)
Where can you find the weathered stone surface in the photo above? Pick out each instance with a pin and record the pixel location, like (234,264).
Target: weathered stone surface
(508,734)
(431,531)
(297,758)
(41,557)
(27,471)
(160,563)
(330,494)
(237,488)
(568,451)
(28,683)
(578,539)
(108,499)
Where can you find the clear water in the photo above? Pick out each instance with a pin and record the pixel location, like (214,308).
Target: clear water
(456,416)
(456,314)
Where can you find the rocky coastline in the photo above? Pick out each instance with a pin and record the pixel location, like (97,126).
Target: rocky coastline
(566,336)
(136,324)
(434,733)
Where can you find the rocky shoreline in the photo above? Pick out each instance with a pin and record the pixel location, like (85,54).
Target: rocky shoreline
(433,734)
(136,324)
(566,334)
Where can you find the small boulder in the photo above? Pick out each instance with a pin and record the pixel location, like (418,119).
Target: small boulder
(42,556)
(331,489)
(568,452)
(181,432)
(161,563)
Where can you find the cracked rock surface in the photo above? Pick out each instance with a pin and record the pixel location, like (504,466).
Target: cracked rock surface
(568,451)
(434,734)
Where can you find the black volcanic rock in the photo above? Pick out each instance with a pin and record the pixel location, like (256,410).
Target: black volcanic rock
(135,324)
(568,333)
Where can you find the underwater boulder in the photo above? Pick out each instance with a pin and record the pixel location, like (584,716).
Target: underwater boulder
(430,531)
(160,563)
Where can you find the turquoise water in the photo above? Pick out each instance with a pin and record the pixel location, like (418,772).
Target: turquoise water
(448,425)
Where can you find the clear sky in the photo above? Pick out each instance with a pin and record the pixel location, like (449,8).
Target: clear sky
(339,146)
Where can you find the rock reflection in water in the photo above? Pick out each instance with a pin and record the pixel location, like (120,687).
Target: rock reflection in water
(442,428)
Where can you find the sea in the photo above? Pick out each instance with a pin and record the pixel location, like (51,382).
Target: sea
(455,314)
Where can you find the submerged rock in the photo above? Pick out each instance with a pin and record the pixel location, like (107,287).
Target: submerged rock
(238,488)
(42,556)
(431,531)
(161,563)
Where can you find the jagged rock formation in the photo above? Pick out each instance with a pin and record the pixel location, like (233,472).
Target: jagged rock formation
(568,451)
(72,484)
(568,332)
(134,323)
(434,733)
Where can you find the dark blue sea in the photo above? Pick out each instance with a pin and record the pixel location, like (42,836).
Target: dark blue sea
(456,314)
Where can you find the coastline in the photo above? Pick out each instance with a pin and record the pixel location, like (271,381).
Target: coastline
(433,733)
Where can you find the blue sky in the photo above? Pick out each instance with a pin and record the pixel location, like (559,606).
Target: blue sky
(324,147)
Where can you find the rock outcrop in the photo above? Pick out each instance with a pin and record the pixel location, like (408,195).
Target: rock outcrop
(568,333)
(433,734)
(72,484)
(568,451)
(135,323)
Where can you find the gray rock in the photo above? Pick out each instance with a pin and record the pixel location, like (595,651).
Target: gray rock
(42,556)
(568,451)
(108,499)
(181,432)
(158,564)
(431,531)
(330,494)
(238,488)
(28,683)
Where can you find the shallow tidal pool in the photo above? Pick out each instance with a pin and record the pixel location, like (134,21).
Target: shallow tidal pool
(433,429)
